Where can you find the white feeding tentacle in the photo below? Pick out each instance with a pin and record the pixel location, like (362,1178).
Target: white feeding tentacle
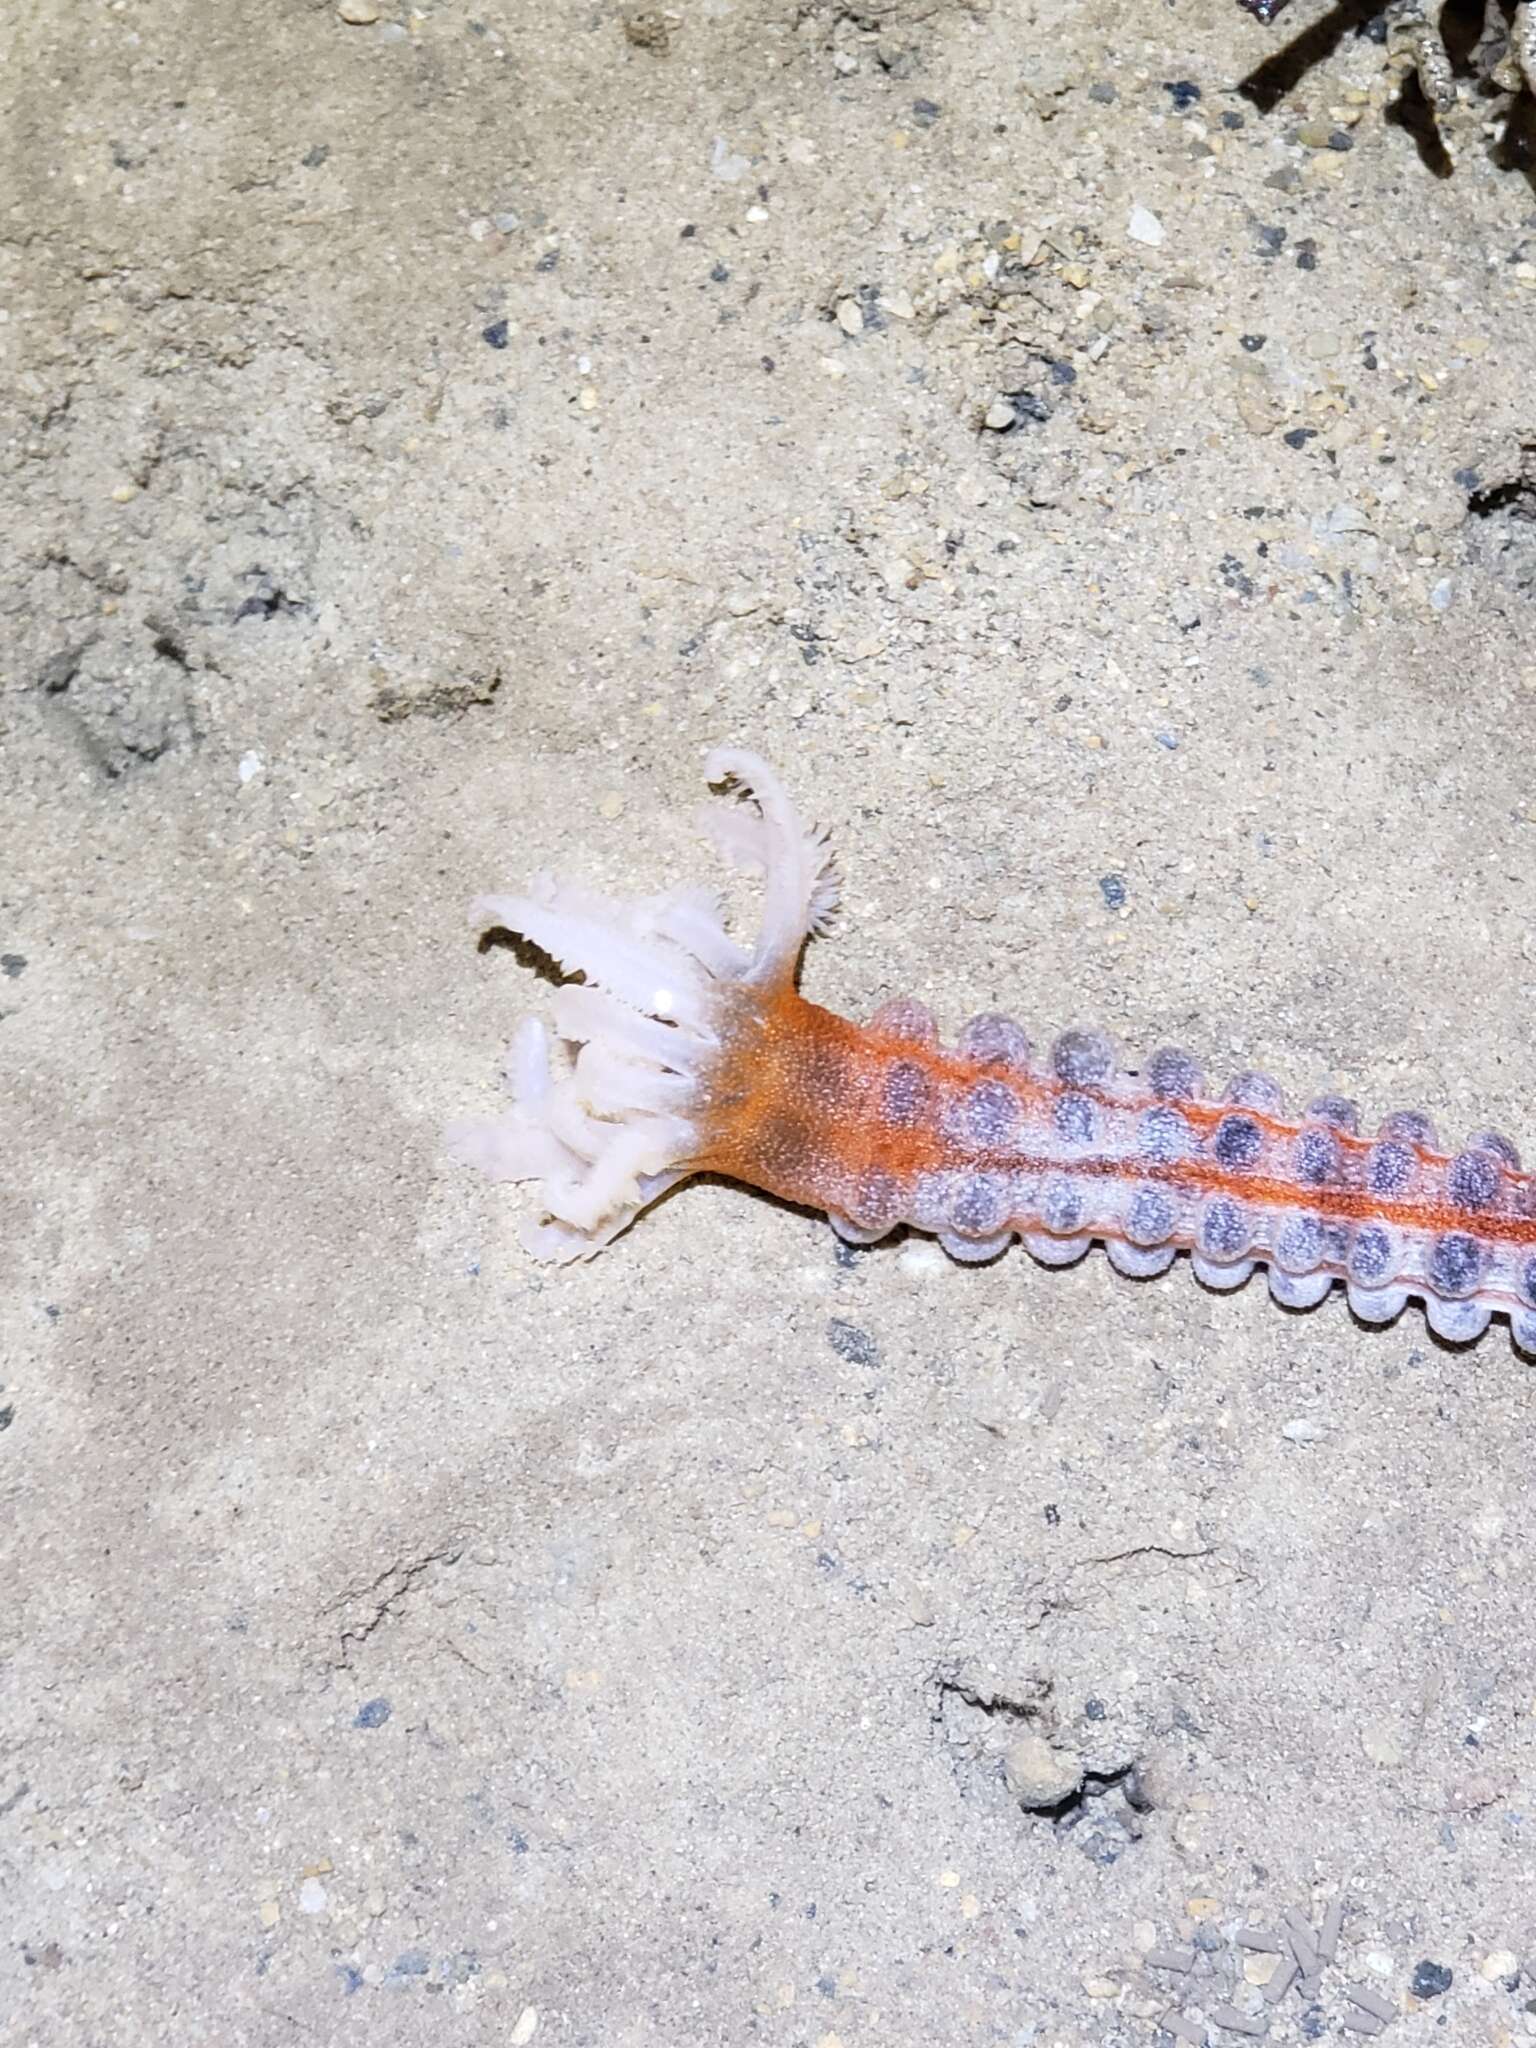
(584,1014)
(522,1145)
(611,1130)
(690,918)
(640,974)
(800,880)
(612,1084)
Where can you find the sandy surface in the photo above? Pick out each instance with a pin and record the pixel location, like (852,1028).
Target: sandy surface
(422,438)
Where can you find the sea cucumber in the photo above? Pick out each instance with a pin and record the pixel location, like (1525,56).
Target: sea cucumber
(686,1053)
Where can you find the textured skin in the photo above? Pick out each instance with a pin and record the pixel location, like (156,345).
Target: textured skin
(880,1124)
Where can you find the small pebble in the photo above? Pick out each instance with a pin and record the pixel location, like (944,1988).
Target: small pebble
(270,1912)
(1500,1964)
(358,13)
(1231,2021)
(1328,1934)
(1182,2027)
(1144,226)
(312,1896)
(1370,2001)
(1112,888)
(1304,1430)
(1180,1959)
(850,316)
(1430,1980)
(727,165)
(1039,1776)
(527,2026)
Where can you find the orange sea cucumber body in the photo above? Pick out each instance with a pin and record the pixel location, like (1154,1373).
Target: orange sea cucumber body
(877,1125)
(700,1056)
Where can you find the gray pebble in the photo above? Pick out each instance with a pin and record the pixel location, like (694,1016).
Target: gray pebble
(1039,1776)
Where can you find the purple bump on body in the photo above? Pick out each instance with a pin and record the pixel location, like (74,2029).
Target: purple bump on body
(1083,1059)
(1390,1167)
(1302,1244)
(1455,1264)
(995,1041)
(1150,1218)
(1164,1135)
(1500,1146)
(1410,1127)
(1226,1228)
(1252,1090)
(1061,1205)
(1372,1254)
(1076,1118)
(1337,1111)
(905,1018)
(1174,1075)
(1315,1157)
(977,1204)
(1238,1143)
(991,1114)
(1472,1181)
